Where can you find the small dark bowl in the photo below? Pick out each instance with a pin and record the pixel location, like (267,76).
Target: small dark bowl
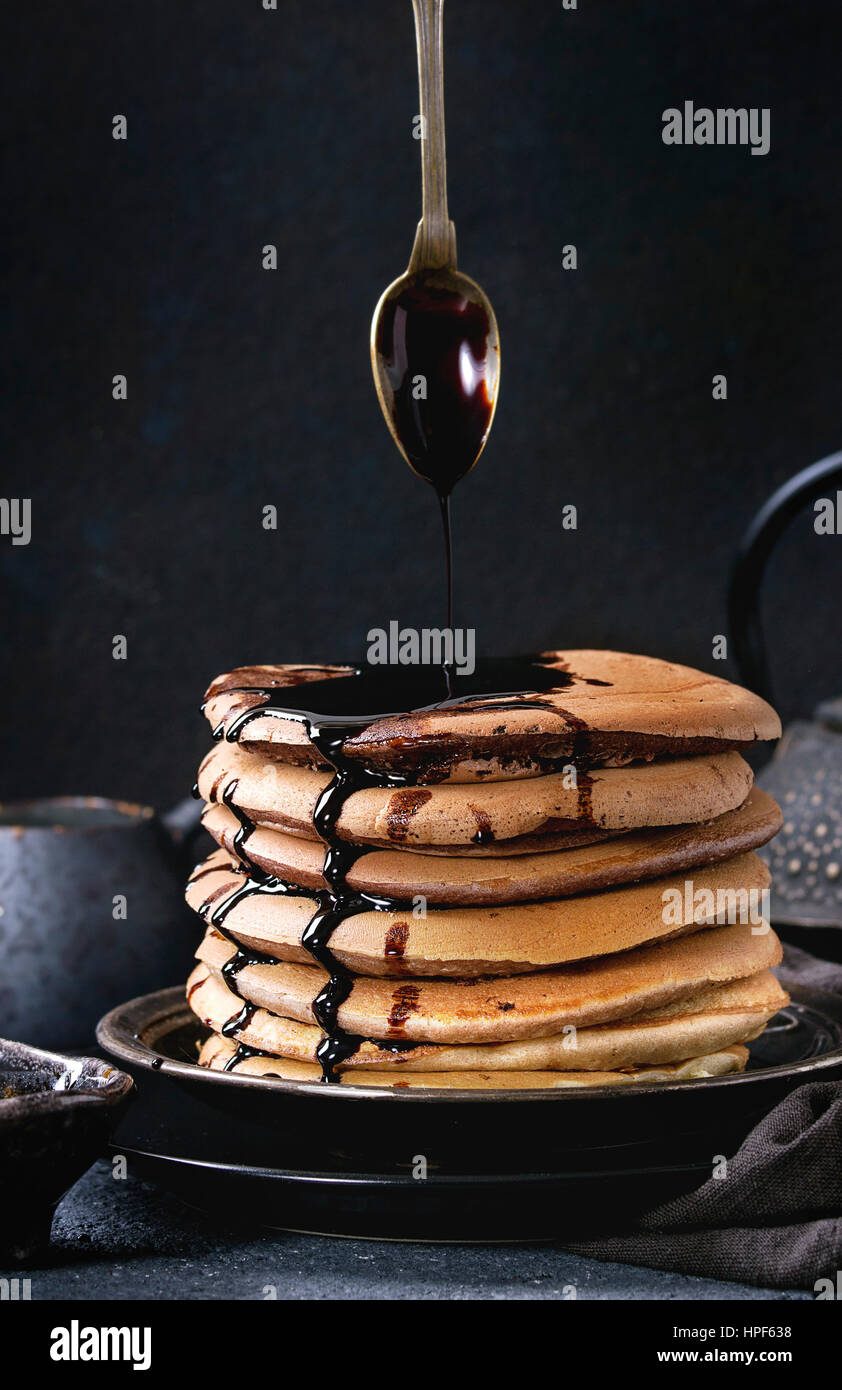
(55,1115)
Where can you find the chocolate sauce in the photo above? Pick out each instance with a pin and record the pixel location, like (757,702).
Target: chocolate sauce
(584,783)
(432,346)
(243,1051)
(394,946)
(444,506)
(342,706)
(432,342)
(485,834)
(240,959)
(255,882)
(332,711)
(202,871)
(402,807)
(247,826)
(337,1044)
(239,1021)
(404,1002)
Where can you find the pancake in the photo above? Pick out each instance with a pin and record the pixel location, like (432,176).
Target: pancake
(220,1055)
(469,941)
(608,706)
(707,1020)
(674,791)
(627,858)
(223,826)
(480,1010)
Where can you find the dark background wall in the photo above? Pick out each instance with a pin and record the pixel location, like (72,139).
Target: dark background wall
(248,388)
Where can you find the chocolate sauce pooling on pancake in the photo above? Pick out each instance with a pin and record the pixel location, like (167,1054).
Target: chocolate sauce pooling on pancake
(332,711)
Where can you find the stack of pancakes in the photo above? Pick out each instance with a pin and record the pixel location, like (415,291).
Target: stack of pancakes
(562,891)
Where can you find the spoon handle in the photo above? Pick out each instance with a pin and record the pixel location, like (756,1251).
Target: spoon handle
(435,239)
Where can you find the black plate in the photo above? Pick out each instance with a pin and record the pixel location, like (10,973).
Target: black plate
(504,1165)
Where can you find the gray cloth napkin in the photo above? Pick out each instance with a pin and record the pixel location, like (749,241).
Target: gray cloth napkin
(776,1220)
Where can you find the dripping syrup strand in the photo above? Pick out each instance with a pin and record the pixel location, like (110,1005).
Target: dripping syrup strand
(239,1021)
(444,504)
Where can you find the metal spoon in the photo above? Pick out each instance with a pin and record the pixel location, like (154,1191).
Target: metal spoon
(434,329)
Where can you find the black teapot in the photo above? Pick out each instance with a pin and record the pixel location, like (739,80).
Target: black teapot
(805,774)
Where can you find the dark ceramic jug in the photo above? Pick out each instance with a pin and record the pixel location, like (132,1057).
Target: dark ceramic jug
(91,912)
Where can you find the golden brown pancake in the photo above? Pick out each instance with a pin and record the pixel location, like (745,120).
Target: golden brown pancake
(459,880)
(674,791)
(503,1009)
(218,820)
(646,708)
(711,1018)
(219,1054)
(467,941)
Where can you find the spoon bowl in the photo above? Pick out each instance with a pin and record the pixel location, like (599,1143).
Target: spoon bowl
(435,356)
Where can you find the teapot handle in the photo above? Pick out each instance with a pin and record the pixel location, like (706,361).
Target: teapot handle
(753,555)
(183,822)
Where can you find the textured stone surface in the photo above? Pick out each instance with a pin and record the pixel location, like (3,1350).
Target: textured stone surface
(125,1239)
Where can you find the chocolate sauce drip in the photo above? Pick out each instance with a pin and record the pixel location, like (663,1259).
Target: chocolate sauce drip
(243,955)
(485,834)
(337,1044)
(444,506)
(218,892)
(584,783)
(402,807)
(243,1051)
(239,1021)
(240,959)
(394,946)
(255,882)
(247,825)
(202,871)
(377,693)
(404,1002)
